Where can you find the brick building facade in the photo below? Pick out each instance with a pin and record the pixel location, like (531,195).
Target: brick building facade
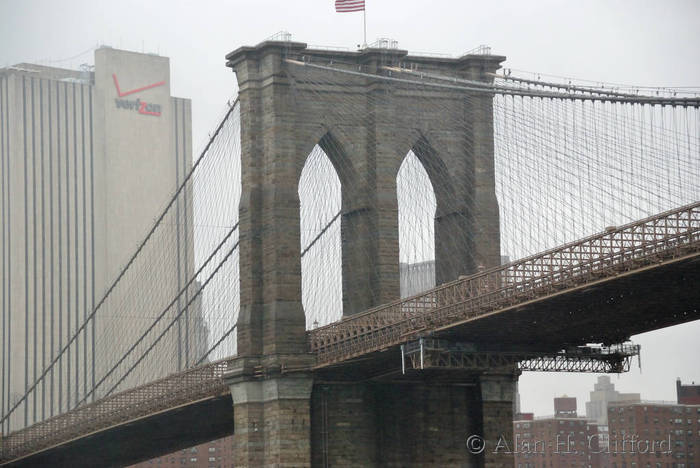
(213,454)
(559,441)
(654,435)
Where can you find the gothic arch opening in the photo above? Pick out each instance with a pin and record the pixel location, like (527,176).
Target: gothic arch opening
(320,235)
(416,206)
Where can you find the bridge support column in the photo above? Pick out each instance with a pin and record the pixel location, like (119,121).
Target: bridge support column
(497,397)
(271,420)
(393,424)
(369,229)
(414,423)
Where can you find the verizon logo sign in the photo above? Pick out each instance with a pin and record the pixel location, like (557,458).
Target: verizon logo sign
(142,107)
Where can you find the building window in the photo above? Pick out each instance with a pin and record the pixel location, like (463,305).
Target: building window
(212,449)
(193,459)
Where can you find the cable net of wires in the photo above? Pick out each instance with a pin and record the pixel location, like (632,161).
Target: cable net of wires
(172,306)
(577,167)
(563,168)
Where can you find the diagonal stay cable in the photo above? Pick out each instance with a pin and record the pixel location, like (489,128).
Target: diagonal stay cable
(321,233)
(216,345)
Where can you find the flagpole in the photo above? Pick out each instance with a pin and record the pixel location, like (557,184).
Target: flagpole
(364,20)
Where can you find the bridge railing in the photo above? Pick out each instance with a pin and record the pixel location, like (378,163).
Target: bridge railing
(168,392)
(666,235)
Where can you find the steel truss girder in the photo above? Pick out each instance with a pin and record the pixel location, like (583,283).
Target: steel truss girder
(441,354)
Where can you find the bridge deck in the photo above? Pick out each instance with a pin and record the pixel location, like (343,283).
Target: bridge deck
(117,411)
(669,237)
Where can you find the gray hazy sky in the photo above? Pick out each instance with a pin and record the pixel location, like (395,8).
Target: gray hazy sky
(646,43)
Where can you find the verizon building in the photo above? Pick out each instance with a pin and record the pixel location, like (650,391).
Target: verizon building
(89,159)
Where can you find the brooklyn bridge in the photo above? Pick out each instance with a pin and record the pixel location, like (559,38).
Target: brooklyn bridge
(382,244)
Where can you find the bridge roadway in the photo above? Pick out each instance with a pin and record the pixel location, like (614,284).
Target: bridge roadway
(628,280)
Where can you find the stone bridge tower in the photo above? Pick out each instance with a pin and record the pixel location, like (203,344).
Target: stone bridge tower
(285,413)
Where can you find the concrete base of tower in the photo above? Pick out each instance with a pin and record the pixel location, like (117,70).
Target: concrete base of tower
(271,411)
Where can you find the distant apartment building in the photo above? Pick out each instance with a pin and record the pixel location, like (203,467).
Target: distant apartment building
(604,393)
(414,278)
(651,434)
(563,440)
(88,159)
(215,454)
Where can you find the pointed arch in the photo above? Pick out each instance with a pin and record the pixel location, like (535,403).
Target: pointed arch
(320,202)
(436,244)
(416,211)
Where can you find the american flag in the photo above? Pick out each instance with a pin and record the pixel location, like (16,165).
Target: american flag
(346,6)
